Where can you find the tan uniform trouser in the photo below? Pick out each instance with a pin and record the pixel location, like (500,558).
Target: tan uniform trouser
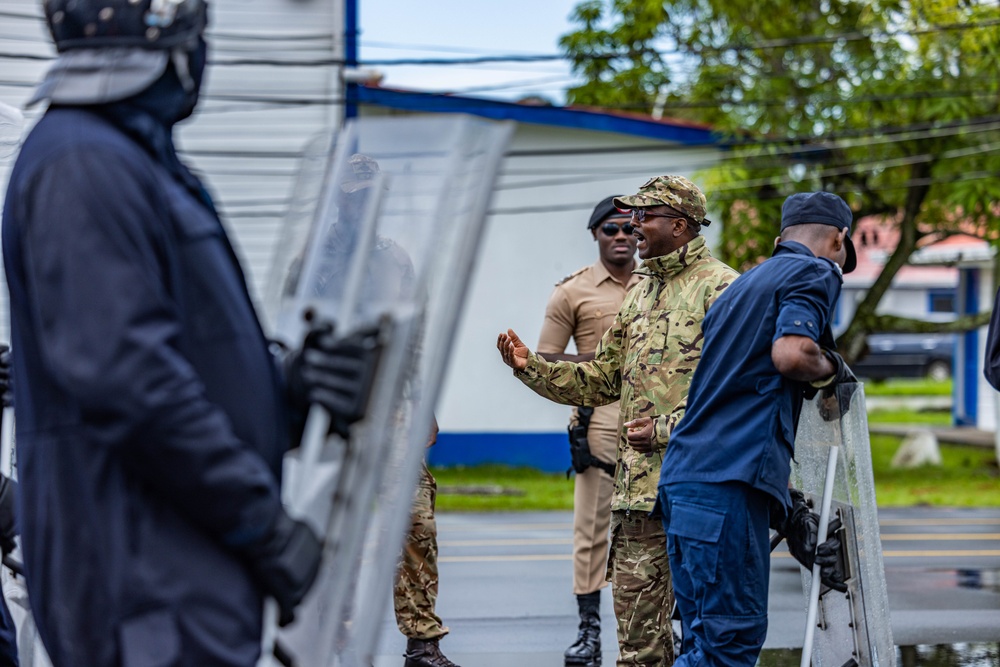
(592,515)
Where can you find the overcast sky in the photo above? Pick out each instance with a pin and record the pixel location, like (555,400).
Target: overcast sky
(393,29)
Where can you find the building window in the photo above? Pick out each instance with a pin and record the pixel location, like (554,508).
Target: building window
(941,301)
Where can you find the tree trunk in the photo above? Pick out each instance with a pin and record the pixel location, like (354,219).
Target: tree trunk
(852,342)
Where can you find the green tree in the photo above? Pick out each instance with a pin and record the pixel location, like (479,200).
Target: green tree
(893,105)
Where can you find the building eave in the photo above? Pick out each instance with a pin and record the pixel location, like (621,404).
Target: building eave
(689,134)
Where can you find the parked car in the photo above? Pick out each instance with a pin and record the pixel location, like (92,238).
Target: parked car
(907,355)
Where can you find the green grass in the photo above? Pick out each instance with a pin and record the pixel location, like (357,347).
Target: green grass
(927,417)
(541,491)
(908,387)
(968,477)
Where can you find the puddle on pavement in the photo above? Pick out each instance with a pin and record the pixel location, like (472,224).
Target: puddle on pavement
(983,579)
(988,580)
(941,655)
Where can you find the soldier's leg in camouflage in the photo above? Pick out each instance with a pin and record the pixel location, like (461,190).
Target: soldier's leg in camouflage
(591,518)
(415,592)
(643,595)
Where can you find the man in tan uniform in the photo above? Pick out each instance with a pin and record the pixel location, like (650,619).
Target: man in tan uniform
(582,307)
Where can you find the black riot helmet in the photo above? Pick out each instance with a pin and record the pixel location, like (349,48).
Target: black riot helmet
(112,49)
(157,25)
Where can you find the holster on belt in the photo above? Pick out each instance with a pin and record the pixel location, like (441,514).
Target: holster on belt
(579,446)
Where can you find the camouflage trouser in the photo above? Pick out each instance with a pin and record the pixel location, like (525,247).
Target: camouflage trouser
(416,589)
(640,579)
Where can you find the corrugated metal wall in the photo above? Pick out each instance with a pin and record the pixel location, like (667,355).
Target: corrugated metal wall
(271,87)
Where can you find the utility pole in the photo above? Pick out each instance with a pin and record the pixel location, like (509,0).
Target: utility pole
(350,85)
(350,75)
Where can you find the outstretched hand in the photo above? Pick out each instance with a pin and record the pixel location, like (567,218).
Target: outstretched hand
(513,352)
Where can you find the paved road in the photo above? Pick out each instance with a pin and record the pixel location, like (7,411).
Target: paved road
(506,586)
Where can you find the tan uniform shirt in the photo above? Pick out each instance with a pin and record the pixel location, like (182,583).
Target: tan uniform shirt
(582,307)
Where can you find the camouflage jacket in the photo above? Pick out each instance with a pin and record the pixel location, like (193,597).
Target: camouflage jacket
(645,359)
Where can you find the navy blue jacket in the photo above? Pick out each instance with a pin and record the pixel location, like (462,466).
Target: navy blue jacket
(741,413)
(150,417)
(991,364)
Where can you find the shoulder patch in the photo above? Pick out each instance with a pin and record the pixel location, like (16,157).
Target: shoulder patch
(572,275)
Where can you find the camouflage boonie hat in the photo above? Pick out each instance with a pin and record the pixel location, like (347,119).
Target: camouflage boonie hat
(362,171)
(676,192)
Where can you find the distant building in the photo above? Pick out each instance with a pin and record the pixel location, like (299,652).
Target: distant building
(944,279)
(560,164)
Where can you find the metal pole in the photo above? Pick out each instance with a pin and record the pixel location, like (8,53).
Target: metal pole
(824,522)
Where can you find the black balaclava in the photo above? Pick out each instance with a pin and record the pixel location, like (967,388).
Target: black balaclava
(149,117)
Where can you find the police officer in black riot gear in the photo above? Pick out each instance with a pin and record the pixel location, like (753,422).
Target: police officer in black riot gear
(152,415)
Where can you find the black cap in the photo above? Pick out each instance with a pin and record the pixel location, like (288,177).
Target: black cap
(821,208)
(603,211)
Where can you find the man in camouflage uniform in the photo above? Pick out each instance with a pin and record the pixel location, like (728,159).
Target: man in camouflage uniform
(416,586)
(582,307)
(415,592)
(646,360)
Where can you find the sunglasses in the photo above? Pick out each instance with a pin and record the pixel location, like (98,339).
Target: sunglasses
(610,228)
(640,215)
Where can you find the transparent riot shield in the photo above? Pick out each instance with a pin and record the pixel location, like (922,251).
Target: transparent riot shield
(296,229)
(390,242)
(11,125)
(31,652)
(833,467)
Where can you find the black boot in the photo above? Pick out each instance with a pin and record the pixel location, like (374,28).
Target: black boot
(420,653)
(586,650)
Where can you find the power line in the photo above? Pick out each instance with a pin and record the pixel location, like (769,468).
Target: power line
(796,144)
(505,86)
(713,199)
(863,167)
(532,58)
(895,137)
(854,168)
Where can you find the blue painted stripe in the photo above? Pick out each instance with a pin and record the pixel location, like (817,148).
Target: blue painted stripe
(971,358)
(548,452)
(538,115)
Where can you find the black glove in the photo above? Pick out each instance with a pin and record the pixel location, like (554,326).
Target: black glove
(835,395)
(285,563)
(831,573)
(336,373)
(8,514)
(6,386)
(801,531)
(842,372)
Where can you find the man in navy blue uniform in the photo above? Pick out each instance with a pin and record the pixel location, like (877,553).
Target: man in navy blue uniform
(725,473)
(991,362)
(152,414)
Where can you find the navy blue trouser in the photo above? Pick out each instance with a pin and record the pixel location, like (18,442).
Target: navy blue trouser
(8,637)
(717,541)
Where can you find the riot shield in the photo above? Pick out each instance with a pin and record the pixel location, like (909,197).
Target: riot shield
(391,242)
(833,467)
(11,125)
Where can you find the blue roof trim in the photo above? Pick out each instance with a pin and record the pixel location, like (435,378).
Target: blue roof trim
(536,115)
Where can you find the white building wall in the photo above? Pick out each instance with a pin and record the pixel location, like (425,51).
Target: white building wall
(536,236)
(253,120)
